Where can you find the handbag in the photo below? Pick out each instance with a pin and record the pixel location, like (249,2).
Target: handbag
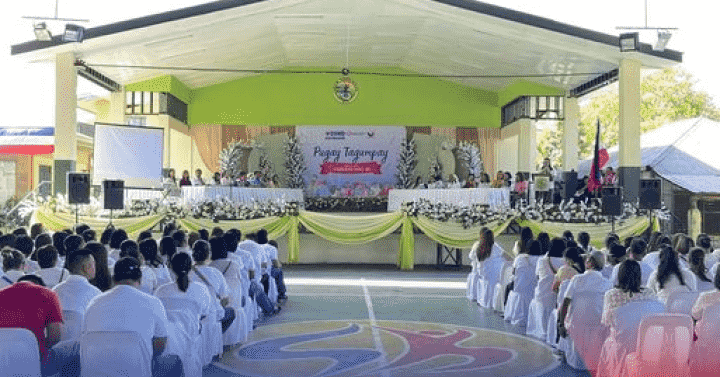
(224,301)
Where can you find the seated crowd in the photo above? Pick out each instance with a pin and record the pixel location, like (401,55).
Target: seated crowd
(184,297)
(589,303)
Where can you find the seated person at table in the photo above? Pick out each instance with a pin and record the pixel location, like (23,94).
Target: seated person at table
(419,184)
(470,182)
(499,181)
(484,180)
(185,180)
(454,182)
(198,180)
(216,181)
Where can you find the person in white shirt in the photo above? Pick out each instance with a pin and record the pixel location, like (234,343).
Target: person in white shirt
(696,259)
(76,292)
(117,238)
(25,245)
(204,306)
(148,283)
(589,281)
(13,265)
(73,242)
(198,180)
(213,280)
(705,243)
(149,250)
(181,242)
(670,277)
(635,252)
(51,274)
(140,312)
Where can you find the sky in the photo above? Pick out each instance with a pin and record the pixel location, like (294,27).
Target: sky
(29,89)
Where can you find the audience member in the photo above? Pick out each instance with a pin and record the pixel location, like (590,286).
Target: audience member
(167,249)
(670,277)
(149,250)
(629,288)
(89,235)
(589,281)
(636,253)
(705,243)
(51,274)
(105,237)
(25,245)
(584,243)
(141,313)
(76,292)
(696,259)
(36,230)
(148,283)
(117,238)
(181,242)
(13,266)
(574,265)
(214,281)
(103,279)
(707,299)
(31,306)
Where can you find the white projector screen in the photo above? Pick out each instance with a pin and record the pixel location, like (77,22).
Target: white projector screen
(130,153)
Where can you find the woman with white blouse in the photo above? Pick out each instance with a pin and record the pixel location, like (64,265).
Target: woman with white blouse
(149,250)
(669,277)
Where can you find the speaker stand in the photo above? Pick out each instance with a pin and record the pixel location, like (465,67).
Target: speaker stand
(612,221)
(110,223)
(77,212)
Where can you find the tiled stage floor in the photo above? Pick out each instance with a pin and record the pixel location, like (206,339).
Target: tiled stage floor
(376,321)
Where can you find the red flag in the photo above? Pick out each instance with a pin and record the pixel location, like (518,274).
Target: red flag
(600,158)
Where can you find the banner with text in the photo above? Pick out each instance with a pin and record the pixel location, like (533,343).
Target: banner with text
(348,161)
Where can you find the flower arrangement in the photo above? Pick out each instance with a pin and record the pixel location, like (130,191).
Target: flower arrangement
(225,209)
(470,158)
(478,214)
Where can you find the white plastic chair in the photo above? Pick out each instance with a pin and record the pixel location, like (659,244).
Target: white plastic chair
(72,325)
(586,332)
(623,335)
(471,285)
(680,302)
(19,353)
(114,354)
(663,346)
(499,293)
(551,328)
(540,308)
(489,272)
(705,355)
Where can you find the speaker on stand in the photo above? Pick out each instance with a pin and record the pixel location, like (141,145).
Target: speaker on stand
(650,190)
(78,190)
(612,203)
(113,195)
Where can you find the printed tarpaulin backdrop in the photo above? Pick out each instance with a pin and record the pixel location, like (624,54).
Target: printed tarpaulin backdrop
(344,161)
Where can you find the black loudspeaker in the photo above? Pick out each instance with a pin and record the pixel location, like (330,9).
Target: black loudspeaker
(78,189)
(612,201)
(650,194)
(569,184)
(114,193)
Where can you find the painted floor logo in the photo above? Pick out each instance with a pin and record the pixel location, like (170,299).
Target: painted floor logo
(402,349)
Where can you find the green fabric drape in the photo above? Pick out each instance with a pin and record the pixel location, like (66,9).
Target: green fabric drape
(453,234)
(59,221)
(406,254)
(630,227)
(276,226)
(351,230)
(294,240)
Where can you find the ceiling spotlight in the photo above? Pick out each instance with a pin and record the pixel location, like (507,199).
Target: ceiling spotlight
(629,42)
(662,40)
(41,32)
(73,33)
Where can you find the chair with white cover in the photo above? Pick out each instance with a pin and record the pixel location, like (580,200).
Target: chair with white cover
(623,335)
(184,337)
(705,354)
(586,333)
(114,354)
(471,290)
(681,302)
(663,347)
(504,279)
(551,328)
(541,306)
(489,272)
(19,353)
(524,282)
(71,328)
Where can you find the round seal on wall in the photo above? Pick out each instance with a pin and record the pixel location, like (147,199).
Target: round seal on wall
(346,90)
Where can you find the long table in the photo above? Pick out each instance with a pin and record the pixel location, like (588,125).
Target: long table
(192,194)
(496,198)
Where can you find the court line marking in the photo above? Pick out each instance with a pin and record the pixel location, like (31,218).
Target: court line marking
(418,284)
(373,327)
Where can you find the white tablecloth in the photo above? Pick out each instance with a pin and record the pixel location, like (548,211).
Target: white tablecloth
(495,198)
(192,194)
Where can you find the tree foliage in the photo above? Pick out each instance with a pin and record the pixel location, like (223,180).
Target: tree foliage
(668,95)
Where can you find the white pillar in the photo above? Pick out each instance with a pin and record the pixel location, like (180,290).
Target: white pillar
(570,134)
(629,133)
(527,145)
(117,107)
(65,120)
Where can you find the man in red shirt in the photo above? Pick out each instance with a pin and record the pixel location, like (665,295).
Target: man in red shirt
(29,305)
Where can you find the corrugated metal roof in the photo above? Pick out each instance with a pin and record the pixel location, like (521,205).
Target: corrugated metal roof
(686,150)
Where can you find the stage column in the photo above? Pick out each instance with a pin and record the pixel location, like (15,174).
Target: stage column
(527,148)
(117,107)
(65,156)
(570,134)
(629,133)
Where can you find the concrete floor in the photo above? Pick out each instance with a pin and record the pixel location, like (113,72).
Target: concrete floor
(427,301)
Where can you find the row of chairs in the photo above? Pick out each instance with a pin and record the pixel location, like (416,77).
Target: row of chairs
(650,338)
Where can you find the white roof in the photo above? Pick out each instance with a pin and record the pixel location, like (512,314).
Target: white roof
(685,152)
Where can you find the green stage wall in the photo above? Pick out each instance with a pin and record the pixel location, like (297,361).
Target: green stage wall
(307,99)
